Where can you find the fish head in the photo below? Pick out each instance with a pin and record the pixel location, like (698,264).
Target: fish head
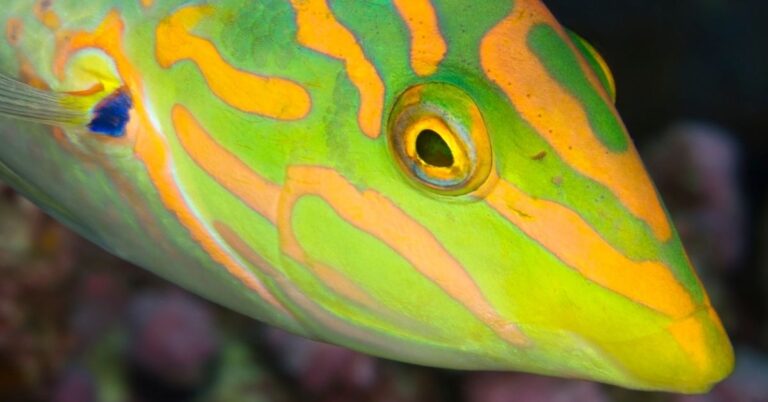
(500,219)
(514,227)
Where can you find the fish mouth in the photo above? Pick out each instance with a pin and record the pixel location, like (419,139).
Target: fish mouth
(690,355)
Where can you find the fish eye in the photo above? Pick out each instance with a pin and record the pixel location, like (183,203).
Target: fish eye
(438,138)
(596,62)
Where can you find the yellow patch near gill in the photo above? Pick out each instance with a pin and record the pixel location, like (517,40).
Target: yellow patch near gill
(90,76)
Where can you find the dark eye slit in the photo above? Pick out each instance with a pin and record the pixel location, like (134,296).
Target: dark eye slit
(433,150)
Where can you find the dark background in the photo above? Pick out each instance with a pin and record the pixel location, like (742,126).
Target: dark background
(692,75)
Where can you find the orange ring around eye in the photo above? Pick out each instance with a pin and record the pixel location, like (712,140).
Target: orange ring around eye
(454,125)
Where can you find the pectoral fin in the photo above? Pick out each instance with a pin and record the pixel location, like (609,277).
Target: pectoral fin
(99,111)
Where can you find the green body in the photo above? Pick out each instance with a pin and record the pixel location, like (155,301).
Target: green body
(350,247)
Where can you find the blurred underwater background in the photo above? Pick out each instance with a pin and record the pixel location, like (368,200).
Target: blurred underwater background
(79,325)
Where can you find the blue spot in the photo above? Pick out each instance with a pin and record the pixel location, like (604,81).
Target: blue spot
(111,114)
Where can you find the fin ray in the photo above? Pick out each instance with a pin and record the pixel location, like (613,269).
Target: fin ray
(22,101)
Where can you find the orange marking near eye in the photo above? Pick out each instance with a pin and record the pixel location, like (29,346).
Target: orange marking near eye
(45,15)
(231,172)
(371,212)
(273,97)
(319,30)
(427,44)
(151,148)
(561,119)
(566,235)
(147,3)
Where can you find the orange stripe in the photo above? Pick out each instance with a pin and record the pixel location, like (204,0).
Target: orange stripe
(273,97)
(427,44)
(27,73)
(320,31)
(509,62)
(13,29)
(152,149)
(361,338)
(690,334)
(147,3)
(337,282)
(45,15)
(259,194)
(327,320)
(333,279)
(241,247)
(342,285)
(379,217)
(566,235)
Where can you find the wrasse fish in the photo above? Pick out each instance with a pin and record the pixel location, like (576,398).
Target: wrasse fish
(441,182)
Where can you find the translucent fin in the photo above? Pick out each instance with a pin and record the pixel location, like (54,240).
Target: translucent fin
(21,101)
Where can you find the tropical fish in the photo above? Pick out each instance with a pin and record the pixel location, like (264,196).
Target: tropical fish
(441,182)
